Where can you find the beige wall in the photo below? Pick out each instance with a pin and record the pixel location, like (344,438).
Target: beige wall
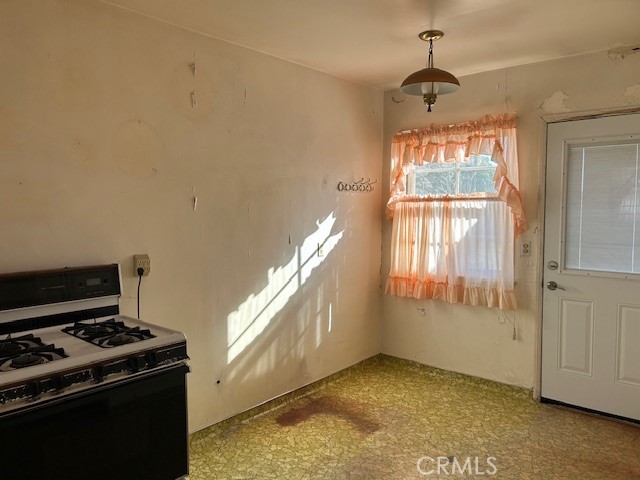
(473,340)
(102,152)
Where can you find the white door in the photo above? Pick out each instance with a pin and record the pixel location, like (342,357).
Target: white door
(591,281)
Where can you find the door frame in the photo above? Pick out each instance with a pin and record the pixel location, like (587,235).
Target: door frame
(544,121)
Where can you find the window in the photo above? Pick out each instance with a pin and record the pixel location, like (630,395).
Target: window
(456,210)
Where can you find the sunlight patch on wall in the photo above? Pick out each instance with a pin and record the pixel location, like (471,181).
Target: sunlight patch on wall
(254,315)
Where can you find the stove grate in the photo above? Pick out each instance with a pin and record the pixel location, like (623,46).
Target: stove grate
(108,333)
(31,356)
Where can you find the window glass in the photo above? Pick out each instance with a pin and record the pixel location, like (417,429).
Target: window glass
(474,176)
(602,220)
(472,181)
(435,182)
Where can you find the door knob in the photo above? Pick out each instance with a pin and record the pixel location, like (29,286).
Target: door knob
(554,286)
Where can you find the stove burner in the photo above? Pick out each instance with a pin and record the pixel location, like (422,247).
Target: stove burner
(121,339)
(26,360)
(96,329)
(13,345)
(108,333)
(31,357)
(9,348)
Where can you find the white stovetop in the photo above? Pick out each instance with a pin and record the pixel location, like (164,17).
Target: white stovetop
(81,353)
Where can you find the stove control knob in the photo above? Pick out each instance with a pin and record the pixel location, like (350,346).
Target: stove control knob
(58,383)
(98,373)
(152,359)
(135,363)
(34,389)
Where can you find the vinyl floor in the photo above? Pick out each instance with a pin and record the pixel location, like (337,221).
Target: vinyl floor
(395,419)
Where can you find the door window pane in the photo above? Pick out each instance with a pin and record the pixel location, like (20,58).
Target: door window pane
(602,221)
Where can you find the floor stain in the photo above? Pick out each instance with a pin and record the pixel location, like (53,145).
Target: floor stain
(329,406)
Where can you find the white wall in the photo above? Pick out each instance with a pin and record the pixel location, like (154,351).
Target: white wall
(102,152)
(471,339)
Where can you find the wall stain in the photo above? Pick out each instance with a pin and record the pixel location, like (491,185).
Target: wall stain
(329,406)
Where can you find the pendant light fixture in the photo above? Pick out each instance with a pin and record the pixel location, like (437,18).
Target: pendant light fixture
(430,82)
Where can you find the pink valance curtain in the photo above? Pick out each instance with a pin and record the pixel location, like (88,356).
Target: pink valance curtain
(459,249)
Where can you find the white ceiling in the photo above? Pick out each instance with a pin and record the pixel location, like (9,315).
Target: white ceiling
(375,43)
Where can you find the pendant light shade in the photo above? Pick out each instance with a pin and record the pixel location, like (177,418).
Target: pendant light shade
(430,81)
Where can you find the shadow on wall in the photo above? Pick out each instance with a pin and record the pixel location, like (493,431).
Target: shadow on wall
(258,339)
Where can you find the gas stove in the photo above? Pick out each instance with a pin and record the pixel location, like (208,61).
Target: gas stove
(67,358)
(72,366)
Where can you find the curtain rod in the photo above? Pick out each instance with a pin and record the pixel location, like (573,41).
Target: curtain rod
(448,199)
(480,121)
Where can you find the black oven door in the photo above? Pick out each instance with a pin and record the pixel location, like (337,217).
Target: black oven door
(133,429)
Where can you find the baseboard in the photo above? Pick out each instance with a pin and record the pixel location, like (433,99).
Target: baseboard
(290,396)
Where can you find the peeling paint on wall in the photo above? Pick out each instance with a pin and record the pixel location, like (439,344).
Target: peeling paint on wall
(192,90)
(633,92)
(555,103)
(192,65)
(622,52)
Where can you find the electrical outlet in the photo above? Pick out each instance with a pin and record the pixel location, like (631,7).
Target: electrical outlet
(525,249)
(143,262)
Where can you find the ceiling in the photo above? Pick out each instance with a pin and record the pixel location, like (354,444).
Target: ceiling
(375,43)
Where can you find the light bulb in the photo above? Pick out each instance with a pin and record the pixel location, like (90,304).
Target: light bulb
(426,87)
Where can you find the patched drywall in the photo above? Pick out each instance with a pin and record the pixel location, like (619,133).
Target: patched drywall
(555,103)
(120,134)
(622,52)
(633,93)
(478,340)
